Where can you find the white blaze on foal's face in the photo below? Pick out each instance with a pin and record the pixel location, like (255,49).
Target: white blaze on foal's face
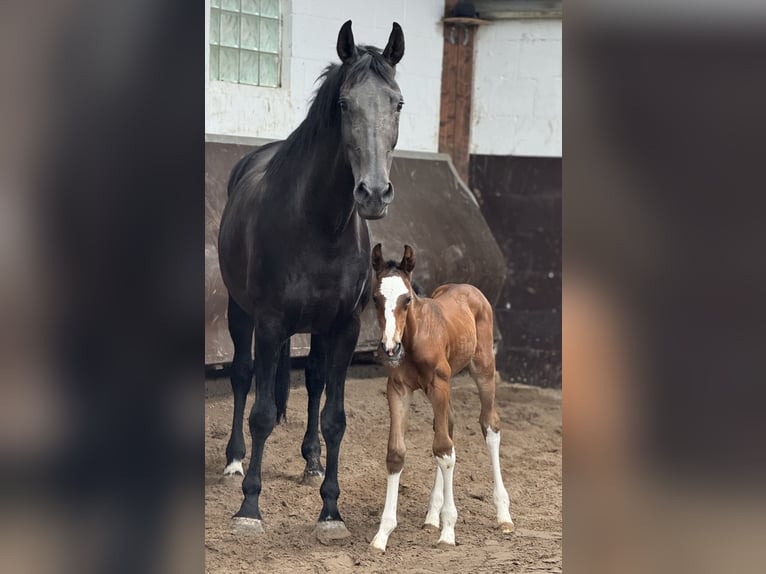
(391,302)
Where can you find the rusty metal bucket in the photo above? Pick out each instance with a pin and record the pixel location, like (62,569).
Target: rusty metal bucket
(433,211)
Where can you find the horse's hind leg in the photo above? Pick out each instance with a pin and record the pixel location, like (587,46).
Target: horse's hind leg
(482,368)
(315,381)
(241,331)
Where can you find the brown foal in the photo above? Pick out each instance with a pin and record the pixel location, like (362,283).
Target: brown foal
(426,341)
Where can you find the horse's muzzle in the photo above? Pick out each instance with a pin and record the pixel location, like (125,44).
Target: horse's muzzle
(372,202)
(393,355)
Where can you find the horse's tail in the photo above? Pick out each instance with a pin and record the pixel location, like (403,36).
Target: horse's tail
(282,383)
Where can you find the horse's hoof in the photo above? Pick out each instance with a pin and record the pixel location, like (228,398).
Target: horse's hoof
(329,531)
(377,547)
(442,543)
(428,527)
(247,525)
(234,468)
(312,477)
(506,527)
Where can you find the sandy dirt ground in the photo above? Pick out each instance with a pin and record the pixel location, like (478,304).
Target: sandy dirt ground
(530,458)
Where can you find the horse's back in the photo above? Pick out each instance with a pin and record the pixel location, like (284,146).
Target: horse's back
(466,296)
(244,187)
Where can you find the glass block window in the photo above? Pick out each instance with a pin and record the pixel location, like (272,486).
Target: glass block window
(244,41)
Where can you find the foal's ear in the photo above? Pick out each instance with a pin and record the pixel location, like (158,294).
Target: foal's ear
(346,46)
(408,261)
(394,50)
(377,258)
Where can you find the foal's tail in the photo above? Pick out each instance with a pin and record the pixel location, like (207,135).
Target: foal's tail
(282,382)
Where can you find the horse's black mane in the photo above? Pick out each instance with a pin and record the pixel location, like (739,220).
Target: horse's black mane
(324,112)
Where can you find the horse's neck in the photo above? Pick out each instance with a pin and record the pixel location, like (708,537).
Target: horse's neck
(417,311)
(328,193)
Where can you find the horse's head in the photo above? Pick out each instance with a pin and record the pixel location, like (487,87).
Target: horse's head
(392,294)
(370,101)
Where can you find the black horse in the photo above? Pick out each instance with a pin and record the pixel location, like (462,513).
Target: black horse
(294,251)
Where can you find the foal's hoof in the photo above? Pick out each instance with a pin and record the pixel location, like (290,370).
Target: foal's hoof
(506,527)
(234,468)
(247,525)
(312,477)
(428,527)
(328,531)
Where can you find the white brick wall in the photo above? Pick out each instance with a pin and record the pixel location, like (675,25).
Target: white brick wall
(310,31)
(517,89)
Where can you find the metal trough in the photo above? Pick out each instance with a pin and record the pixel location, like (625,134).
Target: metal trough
(432,211)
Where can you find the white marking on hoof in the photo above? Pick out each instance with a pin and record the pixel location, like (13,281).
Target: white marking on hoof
(250,525)
(506,527)
(312,478)
(447,539)
(327,531)
(234,467)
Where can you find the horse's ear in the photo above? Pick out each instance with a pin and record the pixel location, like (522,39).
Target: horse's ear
(346,46)
(408,261)
(377,258)
(395,48)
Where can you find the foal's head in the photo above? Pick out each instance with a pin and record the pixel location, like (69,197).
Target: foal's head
(370,101)
(392,294)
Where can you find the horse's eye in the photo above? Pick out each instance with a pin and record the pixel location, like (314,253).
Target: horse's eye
(343,105)
(399,106)
(375,299)
(407,301)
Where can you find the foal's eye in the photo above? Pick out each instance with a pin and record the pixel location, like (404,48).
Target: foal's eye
(407,301)
(399,106)
(343,105)
(375,299)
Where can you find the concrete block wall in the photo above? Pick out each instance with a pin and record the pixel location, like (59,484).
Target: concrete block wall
(309,34)
(516,104)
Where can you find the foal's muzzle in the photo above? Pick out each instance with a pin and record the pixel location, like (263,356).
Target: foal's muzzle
(372,201)
(394,354)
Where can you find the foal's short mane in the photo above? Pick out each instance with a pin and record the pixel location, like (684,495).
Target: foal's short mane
(324,112)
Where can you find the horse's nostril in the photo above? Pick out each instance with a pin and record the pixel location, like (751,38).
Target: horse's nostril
(362,191)
(388,193)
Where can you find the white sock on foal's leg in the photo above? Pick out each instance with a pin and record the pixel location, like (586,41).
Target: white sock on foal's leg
(500,495)
(388,519)
(449,512)
(436,500)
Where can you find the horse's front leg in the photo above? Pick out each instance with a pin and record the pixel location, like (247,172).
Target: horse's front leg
(263,418)
(444,452)
(398,406)
(342,343)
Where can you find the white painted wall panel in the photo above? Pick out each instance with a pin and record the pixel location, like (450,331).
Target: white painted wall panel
(516,108)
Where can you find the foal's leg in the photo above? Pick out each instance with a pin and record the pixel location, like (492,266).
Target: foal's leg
(444,452)
(436,499)
(398,406)
(341,347)
(263,418)
(315,380)
(482,368)
(241,331)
